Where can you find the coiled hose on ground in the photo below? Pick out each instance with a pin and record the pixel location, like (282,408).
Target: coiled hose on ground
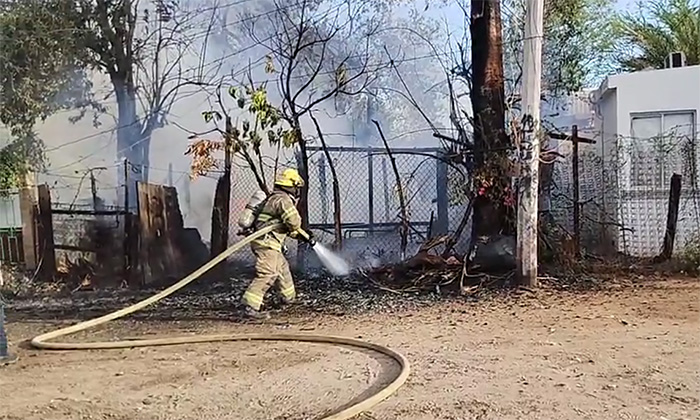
(42,341)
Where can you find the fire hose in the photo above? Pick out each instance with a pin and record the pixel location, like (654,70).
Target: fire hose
(43,341)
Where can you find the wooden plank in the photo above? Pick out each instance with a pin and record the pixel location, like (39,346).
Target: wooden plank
(5,247)
(20,248)
(174,226)
(89,212)
(27,207)
(567,137)
(74,248)
(160,227)
(15,249)
(142,191)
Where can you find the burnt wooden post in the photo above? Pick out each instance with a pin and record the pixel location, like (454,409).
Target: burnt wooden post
(674,198)
(47,250)
(576,186)
(219,219)
(222,199)
(161,228)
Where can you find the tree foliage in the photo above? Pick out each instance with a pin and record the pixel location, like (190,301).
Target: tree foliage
(657,28)
(261,123)
(578,38)
(320,51)
(40,74)
(408,97)
(147,51)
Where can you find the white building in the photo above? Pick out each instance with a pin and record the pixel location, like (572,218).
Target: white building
(647,126)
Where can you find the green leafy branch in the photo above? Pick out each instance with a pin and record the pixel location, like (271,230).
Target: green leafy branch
(264,124)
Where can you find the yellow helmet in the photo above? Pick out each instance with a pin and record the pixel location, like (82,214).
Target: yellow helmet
(289,178)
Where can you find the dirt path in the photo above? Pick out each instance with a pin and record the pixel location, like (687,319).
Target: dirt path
(631,353)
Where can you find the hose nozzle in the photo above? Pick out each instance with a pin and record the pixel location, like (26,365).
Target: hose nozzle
(306,237)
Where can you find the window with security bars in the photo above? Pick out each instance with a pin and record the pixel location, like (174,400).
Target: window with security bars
(657,147)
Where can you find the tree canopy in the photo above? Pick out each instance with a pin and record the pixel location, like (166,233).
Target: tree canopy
(40,74)
(657,28)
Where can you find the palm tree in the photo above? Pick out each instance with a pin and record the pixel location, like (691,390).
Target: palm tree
(658,28)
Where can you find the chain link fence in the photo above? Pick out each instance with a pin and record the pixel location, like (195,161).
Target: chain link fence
(624,188)
(624,194)
(369,201)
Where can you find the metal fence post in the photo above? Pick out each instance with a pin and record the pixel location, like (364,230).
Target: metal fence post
(576,187)
(323,186)
(301,246)
(370,190)
(442,225)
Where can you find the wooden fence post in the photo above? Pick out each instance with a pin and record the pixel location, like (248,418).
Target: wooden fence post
(27,208)
(47,250)
(674,198)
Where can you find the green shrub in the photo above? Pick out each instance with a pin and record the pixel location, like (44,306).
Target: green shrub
(689,257)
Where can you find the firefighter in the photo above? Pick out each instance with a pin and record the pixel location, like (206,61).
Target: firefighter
(271,267)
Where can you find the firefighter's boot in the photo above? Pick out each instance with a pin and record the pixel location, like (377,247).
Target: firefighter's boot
(254,314)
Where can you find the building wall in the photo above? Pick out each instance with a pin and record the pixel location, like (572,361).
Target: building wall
(643,211)
(656,90)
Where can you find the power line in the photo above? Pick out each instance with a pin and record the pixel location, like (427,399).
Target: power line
(196,11)
(297,77)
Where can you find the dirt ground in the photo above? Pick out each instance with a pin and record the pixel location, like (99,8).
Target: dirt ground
(626,353)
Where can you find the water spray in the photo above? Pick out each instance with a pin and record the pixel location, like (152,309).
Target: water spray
(332,261)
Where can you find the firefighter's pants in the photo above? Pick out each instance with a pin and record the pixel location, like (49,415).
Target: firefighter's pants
(270,268)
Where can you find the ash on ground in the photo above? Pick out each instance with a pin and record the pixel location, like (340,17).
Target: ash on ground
(213,299)
(420,281)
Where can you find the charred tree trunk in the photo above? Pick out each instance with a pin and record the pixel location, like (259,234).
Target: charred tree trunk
(219,216)
(491,216)
(130,144)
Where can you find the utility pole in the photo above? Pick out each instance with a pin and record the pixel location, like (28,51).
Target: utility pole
(530,145)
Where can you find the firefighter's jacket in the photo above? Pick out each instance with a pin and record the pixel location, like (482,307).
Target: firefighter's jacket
(278,207)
